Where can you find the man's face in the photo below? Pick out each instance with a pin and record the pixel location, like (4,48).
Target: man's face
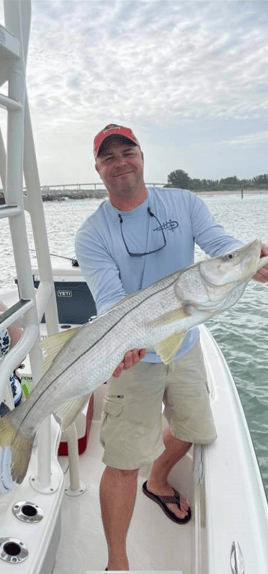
(120,166)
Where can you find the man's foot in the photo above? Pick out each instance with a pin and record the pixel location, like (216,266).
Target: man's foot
(117,566)
(178,509)
(117,561)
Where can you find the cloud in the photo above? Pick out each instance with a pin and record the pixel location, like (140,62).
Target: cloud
(160,66)
(74,81)
(254,139)
(151,59)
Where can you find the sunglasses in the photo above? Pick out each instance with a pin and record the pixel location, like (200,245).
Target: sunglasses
(146,252)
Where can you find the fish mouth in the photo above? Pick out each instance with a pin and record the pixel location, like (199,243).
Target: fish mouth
(262,261)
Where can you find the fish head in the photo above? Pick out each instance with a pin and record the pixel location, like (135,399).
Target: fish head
(204,289)
(233,268)
(215,284)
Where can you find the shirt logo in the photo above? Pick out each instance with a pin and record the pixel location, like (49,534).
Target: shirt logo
(168,226)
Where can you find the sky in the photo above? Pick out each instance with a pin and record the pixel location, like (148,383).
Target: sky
(189,77)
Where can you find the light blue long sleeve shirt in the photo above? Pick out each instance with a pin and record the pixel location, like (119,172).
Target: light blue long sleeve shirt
(111,273)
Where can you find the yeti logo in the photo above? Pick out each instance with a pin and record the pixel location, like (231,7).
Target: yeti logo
(64,293)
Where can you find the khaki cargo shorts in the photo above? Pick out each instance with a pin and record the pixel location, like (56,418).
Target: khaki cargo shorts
(131,430)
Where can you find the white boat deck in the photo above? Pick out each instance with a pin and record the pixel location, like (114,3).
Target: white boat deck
(154,542)
(232,501)
(232,505)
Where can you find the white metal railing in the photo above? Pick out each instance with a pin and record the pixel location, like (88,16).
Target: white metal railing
(15,160)
(10,104)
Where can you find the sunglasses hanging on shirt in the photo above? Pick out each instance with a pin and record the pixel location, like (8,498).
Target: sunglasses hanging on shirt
(146,252)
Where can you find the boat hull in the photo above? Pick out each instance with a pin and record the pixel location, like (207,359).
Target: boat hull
(222,482)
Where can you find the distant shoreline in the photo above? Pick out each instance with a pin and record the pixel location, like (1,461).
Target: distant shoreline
(235,192)
(74,194)
(102,194)
(63,195)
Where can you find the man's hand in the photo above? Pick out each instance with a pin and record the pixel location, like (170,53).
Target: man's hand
(262,274)
(130,359)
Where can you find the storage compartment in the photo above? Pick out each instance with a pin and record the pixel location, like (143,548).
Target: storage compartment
(74,301)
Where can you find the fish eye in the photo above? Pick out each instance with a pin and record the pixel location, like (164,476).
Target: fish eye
(229,256)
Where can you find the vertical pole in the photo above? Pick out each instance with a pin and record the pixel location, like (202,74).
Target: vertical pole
(73,457)
(2,162)
(76,487)
(38,221)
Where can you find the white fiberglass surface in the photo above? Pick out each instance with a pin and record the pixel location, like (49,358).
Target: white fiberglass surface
(236,508)
(154,542)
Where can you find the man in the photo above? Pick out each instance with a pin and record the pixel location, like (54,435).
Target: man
(135,238)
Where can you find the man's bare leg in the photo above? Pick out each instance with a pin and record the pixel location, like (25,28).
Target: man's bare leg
(117,496)
(157,482)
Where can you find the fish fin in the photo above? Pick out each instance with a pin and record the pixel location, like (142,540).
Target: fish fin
(169,317)
(52,345)
(15,454)
(68,412)
(167,348)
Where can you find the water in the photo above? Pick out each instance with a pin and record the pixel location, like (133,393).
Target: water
(242,332)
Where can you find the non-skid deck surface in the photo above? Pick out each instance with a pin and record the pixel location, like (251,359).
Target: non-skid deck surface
(155,543)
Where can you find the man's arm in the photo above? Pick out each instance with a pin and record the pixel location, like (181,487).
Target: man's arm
(207,232)
(103,279)
(99,269)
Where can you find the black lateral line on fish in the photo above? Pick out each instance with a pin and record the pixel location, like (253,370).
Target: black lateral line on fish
(96,342)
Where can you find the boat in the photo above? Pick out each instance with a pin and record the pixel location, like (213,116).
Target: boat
(51,523)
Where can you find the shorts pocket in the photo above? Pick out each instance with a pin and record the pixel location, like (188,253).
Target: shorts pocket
(112,407)
(111,423)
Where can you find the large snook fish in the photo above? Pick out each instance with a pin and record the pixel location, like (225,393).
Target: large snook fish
(158,316)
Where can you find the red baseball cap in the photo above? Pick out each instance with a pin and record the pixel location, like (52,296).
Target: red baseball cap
(110,130)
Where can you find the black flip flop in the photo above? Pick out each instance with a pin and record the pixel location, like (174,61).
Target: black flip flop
(163,500)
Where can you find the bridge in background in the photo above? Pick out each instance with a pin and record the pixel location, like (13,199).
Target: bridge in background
(72,191)
(82,186)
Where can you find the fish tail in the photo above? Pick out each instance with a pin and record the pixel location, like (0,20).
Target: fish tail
(15,454)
